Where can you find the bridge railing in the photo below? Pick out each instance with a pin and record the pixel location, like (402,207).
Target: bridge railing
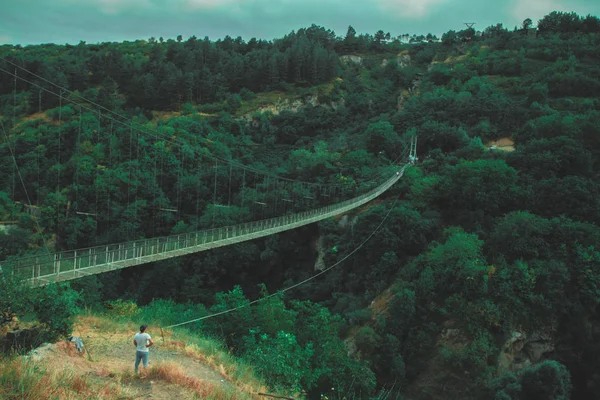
(115,256)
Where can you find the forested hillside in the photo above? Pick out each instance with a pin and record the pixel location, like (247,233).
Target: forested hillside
(484,283)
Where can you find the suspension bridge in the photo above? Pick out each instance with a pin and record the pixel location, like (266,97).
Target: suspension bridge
(125,177)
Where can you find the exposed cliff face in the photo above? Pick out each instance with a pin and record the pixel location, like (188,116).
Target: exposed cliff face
(351,59)
(320,249)
(519,351)
(289,105)
(523,350)
(403,61)
(293,105)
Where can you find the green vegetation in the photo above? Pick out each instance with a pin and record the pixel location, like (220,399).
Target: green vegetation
(53,306)
(484,284)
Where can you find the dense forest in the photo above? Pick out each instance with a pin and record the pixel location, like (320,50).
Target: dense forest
(484,282)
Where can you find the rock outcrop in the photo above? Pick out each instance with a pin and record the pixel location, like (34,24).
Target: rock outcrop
(319,247)
(522,350)
(41,352)
(293,106)
(403,61)
(351,59)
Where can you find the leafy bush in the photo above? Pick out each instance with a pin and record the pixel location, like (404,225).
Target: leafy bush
(15,298)
(548,380)
(168,312)
(55,307)
(247,94)
(280,359)
(122,308)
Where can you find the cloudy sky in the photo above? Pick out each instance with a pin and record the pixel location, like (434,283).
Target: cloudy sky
(69,21)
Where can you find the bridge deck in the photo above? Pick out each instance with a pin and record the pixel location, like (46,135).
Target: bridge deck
(44,269)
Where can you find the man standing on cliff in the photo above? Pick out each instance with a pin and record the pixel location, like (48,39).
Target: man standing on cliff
(142,342)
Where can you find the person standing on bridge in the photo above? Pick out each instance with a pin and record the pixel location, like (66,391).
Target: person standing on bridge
(142,342)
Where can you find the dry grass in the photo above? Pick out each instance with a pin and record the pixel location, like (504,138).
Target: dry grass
(80,384)
(451,59)
(184,366)
(504,144)
(208,353)
(165,115)
(39,116)
(173,373)
(380,304)
(25,379)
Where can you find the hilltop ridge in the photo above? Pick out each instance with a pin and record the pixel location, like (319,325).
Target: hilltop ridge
(178,368)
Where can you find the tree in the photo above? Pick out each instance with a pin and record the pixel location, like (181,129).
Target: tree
(481,188)
(449,38)
(350,34)
(56,306)
(548,380)
(520,235)
(527,24)
(381,138)
(15,298)
(379,37)
(401,312)
(280,359)
(350,41)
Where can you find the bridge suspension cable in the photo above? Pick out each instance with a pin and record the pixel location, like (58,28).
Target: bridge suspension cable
(73,264)
(305,201)
(304,195)
(12,153)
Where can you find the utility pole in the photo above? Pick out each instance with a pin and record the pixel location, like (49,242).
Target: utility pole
(469,26)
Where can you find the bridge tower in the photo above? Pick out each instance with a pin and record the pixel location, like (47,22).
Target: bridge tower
(412,157)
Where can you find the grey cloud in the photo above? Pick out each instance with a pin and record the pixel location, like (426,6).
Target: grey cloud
(60,21)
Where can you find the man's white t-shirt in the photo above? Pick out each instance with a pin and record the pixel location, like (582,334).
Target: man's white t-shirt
(142,340)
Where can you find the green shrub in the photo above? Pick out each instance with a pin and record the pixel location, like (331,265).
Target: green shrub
(56,307)
(122,308)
